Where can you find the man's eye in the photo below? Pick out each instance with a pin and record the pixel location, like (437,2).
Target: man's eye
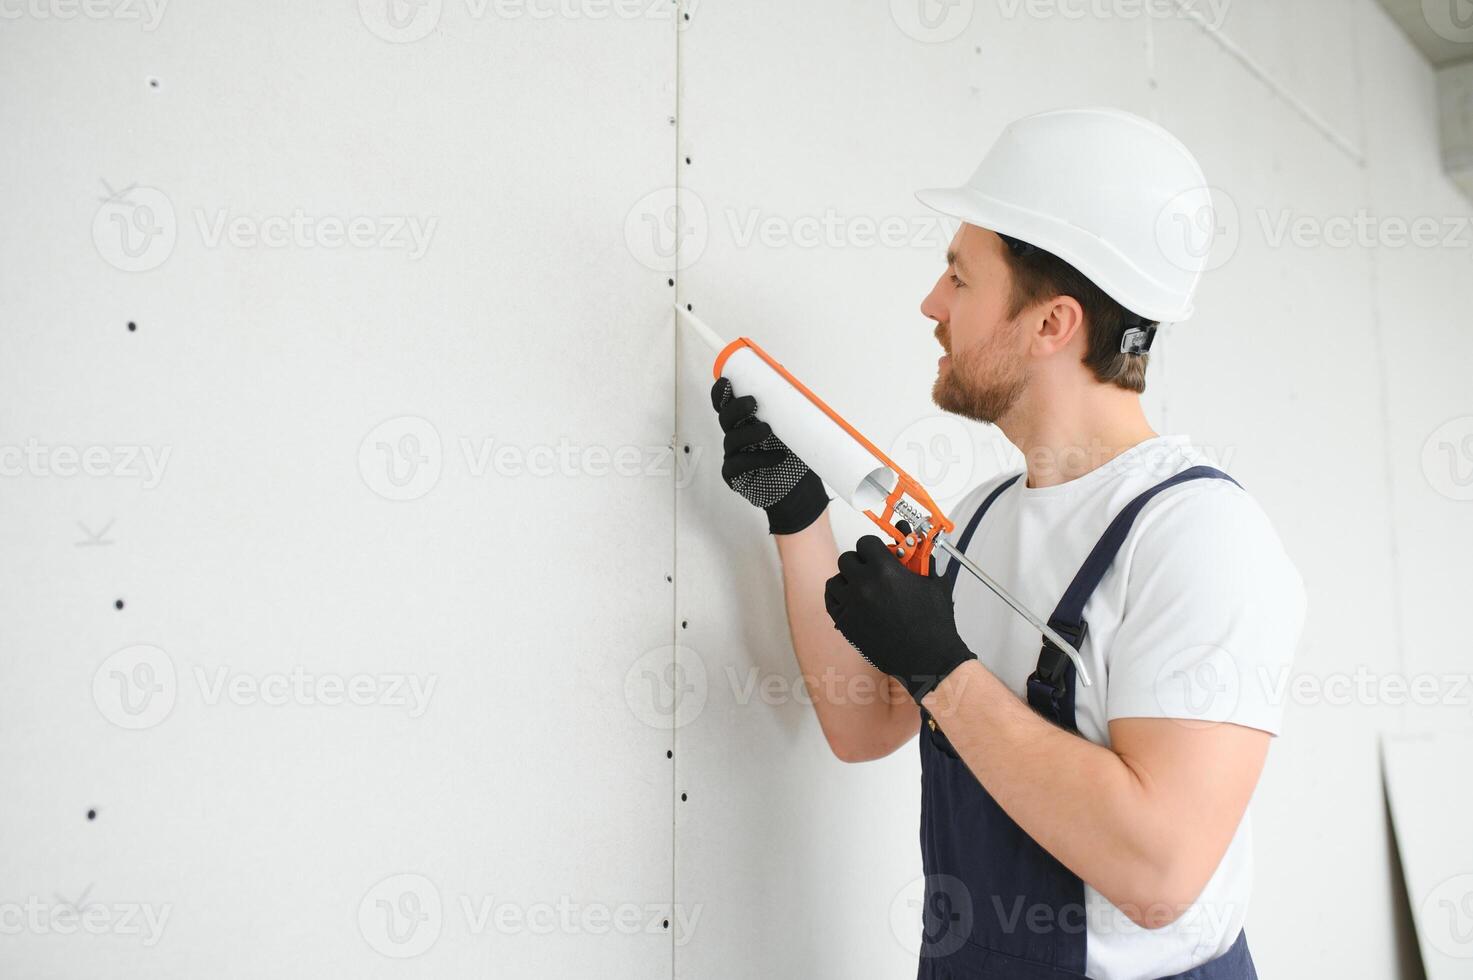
(955,281)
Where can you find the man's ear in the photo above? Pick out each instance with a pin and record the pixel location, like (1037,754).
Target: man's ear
(1062,321)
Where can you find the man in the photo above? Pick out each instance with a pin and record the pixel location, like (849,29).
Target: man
(1067,830)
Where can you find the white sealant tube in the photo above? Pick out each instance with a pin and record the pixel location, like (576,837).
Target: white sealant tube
(830,451)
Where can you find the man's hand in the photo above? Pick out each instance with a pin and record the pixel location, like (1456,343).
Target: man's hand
(901,622)
(761,468)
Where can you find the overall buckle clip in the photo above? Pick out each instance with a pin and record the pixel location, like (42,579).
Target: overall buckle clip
(1053,663)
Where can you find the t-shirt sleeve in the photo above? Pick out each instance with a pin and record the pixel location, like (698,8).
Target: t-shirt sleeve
(1213,613)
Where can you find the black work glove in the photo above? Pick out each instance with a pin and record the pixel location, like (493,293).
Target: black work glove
(759,467)
(902,623)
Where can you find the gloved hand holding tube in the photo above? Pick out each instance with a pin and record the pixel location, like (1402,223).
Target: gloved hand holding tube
(761,468)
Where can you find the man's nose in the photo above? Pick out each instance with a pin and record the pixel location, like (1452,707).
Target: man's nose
(932,308)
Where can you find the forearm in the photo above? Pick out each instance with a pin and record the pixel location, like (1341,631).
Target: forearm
(1080,801)
(864,713)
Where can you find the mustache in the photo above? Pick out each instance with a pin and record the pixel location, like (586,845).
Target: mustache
(943,337)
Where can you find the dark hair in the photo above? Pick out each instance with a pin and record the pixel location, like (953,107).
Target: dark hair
(1038,275)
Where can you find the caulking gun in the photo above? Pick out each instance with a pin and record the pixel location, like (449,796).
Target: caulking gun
(855,468)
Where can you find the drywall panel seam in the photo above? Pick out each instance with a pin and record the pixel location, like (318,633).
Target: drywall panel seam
(675,440)
(1383,386)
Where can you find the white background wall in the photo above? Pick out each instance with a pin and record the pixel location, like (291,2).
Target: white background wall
(273,540)
(550,153)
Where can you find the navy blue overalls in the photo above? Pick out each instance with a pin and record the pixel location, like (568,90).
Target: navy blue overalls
(997,905)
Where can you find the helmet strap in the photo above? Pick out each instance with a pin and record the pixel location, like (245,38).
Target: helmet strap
(1017,246)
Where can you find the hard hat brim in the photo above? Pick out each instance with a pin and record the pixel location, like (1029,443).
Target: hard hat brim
(1087,252)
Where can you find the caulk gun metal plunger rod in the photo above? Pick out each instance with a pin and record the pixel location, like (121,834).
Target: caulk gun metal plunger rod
(1003,594)
(1022,610)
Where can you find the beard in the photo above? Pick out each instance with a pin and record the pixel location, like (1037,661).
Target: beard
(984,382)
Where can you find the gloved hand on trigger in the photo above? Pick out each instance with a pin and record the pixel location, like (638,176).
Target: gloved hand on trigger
(902,623)
(759,467)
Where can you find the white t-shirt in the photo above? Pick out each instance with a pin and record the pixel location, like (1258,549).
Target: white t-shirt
(1198,618)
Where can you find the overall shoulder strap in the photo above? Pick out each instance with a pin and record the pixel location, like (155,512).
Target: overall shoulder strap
(1051,686)
(954,566)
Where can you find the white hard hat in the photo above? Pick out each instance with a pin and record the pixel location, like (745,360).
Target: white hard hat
(1114,195)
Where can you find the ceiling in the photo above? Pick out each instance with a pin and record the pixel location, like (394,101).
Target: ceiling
(1450,45)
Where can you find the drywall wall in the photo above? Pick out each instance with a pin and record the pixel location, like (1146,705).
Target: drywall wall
(387,461)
